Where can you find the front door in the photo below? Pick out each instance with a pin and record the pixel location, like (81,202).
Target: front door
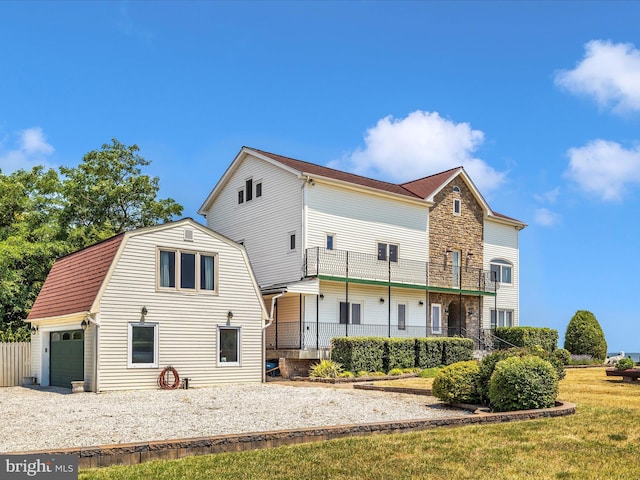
(457,319)
(67,358)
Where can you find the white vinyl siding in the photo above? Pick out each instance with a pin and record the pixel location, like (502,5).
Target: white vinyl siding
(187,321)
(501,242)
(264,224)
(362,220)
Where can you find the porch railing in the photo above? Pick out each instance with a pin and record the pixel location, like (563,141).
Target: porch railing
(356,266)
(318,336)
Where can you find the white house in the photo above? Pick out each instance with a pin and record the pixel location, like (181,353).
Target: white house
(116,313)
(357,256)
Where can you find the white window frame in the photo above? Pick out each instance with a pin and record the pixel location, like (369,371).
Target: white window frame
(219,362)
(404,327)
(456,268)
(198,288)
(156,335)
(435,330)
(457,202)
(255,186)
(295,242)
(506,312)
(456,189)
(387,252)
(502,264)
(240,191)
(350,304)
(333,242)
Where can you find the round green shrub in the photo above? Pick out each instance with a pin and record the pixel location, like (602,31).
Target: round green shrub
(562,355)
(523,383)
(325,369)
(457,383)
(625,363)
(585,337)
(395,371)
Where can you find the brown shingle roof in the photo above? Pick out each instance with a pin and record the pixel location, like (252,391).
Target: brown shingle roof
(327,172)
(75,280)
(424,187)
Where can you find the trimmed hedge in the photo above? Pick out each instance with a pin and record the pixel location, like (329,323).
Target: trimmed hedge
(523,383)
(358,353)
(399,353)
(488,364)
(547,338)
(374,354)
(456,349)
(429,352)
(457,383)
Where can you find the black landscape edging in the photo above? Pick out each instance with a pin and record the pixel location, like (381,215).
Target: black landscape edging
(134,453)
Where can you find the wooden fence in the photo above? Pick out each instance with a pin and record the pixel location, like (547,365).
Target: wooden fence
(15,363)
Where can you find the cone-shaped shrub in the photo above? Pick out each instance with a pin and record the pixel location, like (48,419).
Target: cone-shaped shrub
(585,337)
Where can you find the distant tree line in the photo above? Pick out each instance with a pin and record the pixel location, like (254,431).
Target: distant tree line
(46,213)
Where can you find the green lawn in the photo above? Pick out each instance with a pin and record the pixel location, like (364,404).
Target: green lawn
(601,441)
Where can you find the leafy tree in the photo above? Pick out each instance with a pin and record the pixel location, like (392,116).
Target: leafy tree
(43,217)
(30,239)
(584,336)
(107,194)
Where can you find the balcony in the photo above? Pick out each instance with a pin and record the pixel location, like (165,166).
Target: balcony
(355,267)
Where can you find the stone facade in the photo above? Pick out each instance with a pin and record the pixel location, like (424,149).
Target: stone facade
(463,233)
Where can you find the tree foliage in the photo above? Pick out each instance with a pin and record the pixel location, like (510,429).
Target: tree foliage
(584,336)
(44,216)
(108,194)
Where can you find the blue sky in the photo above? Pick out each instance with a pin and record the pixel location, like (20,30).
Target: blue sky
(540,101)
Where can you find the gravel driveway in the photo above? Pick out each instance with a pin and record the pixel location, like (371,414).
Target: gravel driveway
(49,418)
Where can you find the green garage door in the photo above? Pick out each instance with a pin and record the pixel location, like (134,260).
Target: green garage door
(67,358)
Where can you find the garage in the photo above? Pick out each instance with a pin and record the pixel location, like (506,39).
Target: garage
(67,357)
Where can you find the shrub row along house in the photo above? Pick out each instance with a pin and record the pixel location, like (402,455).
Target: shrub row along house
(349,255)
(335,254)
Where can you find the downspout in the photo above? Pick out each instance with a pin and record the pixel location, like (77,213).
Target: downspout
(264,333)
(92,319)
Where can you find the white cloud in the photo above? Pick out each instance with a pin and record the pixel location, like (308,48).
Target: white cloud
(605,169)
(548,197)
(30,149)
(609,72)
(546,218)
(421,144)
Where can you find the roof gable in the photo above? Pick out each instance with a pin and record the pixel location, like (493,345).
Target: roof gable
(426,187)
(75,280)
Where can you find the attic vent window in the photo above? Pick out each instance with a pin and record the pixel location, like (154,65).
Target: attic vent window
(456,189)
(188,235)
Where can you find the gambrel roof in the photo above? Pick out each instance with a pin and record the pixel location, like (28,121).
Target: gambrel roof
(75,281)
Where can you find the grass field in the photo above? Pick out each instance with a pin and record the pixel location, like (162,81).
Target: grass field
(601,441)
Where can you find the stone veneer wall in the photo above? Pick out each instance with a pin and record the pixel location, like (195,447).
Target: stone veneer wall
(470,303)
(462,232)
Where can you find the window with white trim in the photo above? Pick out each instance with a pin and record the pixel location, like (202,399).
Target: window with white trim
(240,196)
(331,241)
(402,316)
(187,270)
(258,189)
(501,271)
(504,318)
(457,206)
(228,346)
(455,268)
(350,313)
(248,189)
(142,345)
(292,241)
(436,318)
(388,252)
